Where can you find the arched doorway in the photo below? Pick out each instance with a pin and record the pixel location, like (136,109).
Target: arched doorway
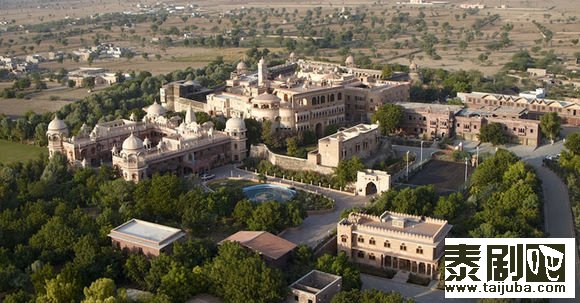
(318,130)
(370,189)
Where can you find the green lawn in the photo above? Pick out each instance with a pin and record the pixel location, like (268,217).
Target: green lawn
(14,152)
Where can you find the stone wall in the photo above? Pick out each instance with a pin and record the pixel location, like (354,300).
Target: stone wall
(261,151)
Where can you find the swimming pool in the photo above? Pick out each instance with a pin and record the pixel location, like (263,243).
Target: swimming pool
(268,192)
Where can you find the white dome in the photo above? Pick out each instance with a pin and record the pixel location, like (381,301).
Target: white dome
(241,66)
(57,125)
(267,98)
(349,60)
(235,124)
(156,110)
(132,144)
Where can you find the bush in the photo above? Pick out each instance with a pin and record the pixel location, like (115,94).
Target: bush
(459,156)
(54,98)
(419,280)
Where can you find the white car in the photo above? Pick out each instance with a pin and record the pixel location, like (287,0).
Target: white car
(206,177)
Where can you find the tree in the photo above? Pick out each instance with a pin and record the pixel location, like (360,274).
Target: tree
(493,133)
(293,149)
(573,143)
(347,170)
(368,296)
(389,116)
(238,275)
(243,212)
(102,290)
(89,82)
(178,284)
(447,208)
(136,268)
(340,265)
(387,72)
(71,83)
(551,125)
(269,216)
(59,290)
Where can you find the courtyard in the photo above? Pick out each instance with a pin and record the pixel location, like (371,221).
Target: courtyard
(445,176)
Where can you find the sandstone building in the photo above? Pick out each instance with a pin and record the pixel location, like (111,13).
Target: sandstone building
(154,144)
(305,95)
(569,111)
(394,240)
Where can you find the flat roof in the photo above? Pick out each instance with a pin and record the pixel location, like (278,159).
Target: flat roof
(398,222)
(146,233)
(351,132)
(315,281)
(263,242)
(433,106)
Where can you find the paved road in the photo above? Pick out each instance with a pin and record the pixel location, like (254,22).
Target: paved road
(315,227)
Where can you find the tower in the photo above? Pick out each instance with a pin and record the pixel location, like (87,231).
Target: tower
(236,130)
(130,160)
(262,72)
(56,133)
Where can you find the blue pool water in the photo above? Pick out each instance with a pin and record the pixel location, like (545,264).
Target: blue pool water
(268,192)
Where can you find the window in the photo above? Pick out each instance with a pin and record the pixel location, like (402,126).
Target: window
(296,298)
(361,240)
(387,244)
(360,254)
(309,301)
(372,241)
(419,250)
(339,96)
(531,131)
(343,238)
(371,257)
(403,247)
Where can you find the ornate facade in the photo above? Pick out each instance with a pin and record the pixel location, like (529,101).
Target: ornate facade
(306,95)
(394,240)
(154,144)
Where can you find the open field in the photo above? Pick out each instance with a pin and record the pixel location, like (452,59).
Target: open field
(445,176)
(43,101)
(450,25)
(14,152)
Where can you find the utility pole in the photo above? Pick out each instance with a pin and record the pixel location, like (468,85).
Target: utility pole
(465,172)
(477,157)
(407,166)
(421,163)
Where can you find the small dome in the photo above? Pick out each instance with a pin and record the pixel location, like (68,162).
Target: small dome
(267,98)
(292,56)
(132,144)
(57,125)
(235,124)
(349,60)
(146,142)
(241,66)
(156,110)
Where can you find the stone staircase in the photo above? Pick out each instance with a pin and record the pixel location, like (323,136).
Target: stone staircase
(401,277)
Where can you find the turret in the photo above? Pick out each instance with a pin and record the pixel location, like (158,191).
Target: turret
(57,132)
(262,72)
(236,129)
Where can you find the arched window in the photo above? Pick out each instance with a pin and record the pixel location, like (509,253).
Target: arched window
(331,97)
(339,96)
(360,254)
(360,239)
(322,99)
(344,238)
(372,241)
(419,250)
(403,247)
(387,244)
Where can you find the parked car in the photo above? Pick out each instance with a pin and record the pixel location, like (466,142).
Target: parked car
(206,177)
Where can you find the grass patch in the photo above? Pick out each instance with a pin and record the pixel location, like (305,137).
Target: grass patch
(378,272)
(15,152)
(419,280)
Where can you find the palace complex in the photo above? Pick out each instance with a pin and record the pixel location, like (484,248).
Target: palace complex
(154,144)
